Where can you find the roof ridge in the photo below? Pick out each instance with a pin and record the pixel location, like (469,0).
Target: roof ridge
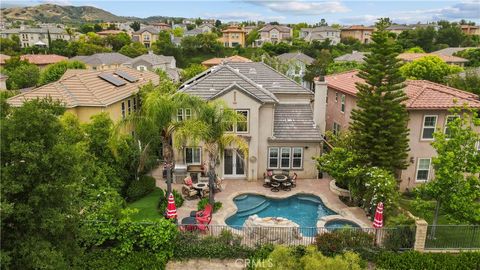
(472,95)
(283,75)
(64,88)
(207,72)
(226,89)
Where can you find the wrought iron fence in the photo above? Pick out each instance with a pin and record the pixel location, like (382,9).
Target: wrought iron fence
(453,237)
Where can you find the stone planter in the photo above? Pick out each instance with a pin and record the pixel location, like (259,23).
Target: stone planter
(339,191)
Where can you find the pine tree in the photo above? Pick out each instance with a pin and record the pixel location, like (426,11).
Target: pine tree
(380,122)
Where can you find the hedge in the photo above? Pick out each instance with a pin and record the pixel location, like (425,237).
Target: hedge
(106,259)
(342,240)
(141,187)
(414,260)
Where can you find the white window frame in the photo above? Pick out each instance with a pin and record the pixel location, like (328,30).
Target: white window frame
(293,157)
(418,168)
(342,103)
(478,145)
(336,128)
(247,120)
(423,127)
(289,157)
(193,155)
(270,157)
(180,115)
(123,109)
(184,114)
(454,116)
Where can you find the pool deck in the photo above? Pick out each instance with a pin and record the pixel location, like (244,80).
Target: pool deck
(233,188)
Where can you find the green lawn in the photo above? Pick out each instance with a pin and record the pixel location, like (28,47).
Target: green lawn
(147,206)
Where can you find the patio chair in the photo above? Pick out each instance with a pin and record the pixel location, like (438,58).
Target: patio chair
(275,186)
(203,222)
(266,181)
(218,184)
(286,172)
(188,181)
(287,186)
(293,180)
(189,193)
(205,193)
(205,212)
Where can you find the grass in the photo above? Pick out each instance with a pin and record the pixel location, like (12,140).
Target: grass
(147,206)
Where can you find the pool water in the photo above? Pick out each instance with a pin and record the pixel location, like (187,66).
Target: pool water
(305,210)
(340,223)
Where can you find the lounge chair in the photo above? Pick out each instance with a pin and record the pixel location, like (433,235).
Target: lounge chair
(189,193)
(287,186)
(207,211)
(275,187)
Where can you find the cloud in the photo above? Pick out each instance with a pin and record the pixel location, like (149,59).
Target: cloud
(300,7)
(243,16)
(57,2)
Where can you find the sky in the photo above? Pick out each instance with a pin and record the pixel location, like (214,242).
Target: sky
(334,11)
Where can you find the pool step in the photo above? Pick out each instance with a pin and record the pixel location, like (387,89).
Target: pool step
(241,197)
(252,206)
(254,210)
(308,198)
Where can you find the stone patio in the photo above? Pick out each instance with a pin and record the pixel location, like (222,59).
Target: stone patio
(233,188)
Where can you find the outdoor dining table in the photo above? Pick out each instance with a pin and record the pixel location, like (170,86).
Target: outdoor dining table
(279,178)
(199,187)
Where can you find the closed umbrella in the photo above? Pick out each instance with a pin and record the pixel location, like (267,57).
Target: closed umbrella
(378,220)
(171,208)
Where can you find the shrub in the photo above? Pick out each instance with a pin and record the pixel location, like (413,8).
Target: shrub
(402,233)
(141,187)
(55,71)
(163,201)
(414,260)
(260,253)
(203,202)
(342,240)
(190,245)
(107,259)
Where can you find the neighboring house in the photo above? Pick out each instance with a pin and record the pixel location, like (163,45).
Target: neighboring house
(105,33)
(180,25)
(89,92)
(217,61)
(153,62)
(352,57)
(101,61)
(398,29)
(279,127)
(42,60)
(147,36)
(161,26)
(297,66)
(233,36)
(452,60)
(3,58)
(3,82)
(194,32)
(30,37)
(206,27)
(470,30)
(273,34)
(359,32)
(435,26)
(321,34)
(249,28)
(452,51)
(428,104)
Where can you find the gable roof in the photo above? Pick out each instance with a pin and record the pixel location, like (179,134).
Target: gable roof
(422,94)
(149,29)
(320,29)
(86,88)
(99,59)
(357,27)
(295,122)
(399,27)
(298,56)
(43,59)
(408,57)
(352,57)
(216,60)
(153,59)
(280,28)
(451,51)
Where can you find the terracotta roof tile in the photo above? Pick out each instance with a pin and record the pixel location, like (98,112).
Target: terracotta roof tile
(422,94)
(43,59)
(217,61)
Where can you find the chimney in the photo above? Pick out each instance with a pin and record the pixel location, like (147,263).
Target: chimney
(320,104)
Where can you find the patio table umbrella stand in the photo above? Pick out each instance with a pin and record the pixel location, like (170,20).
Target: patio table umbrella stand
(171,208)
(378,221)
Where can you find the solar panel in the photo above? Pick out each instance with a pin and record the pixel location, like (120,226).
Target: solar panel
(112,79)
(126,76)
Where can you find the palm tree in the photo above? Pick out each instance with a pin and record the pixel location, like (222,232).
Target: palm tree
(218,120)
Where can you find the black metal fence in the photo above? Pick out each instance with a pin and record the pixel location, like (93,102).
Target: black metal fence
(453,237)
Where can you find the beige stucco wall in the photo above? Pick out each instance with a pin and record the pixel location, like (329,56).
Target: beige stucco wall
(114,111)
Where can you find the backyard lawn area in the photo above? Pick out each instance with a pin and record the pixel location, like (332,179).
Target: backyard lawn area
(147,206)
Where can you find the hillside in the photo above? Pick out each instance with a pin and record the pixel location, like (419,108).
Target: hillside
(49,13)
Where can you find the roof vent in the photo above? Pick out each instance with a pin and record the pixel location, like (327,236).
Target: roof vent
(236,69)
(252,71)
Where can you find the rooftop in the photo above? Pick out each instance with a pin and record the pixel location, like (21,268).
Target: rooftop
(280,28)
(43,59)
(149,29)
(408,57)
(99,59)
(422,94)
(451,51)
(295,122)
(3,58)
(297,56)
(151,58)
(216,61)
(352,57)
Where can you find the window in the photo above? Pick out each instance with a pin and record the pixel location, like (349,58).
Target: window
(478,145)
(242,125)
(184,114)
(297,158)
(193,155)
(273,157)
(336,96)
(429,123)
(449,119)
(180,115)
(285,158)
(134,104)
(187,113)
(336,128)
(129,106)
(123,110)
(423,169)
(343,104)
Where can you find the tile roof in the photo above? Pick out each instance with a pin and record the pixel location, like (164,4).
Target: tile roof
(320,29)
(296,55)
(3,58)
(110,32)
(358,27)
(43,59)
(408,57)
(151,58)
(399,27)
(281,28)
(352,57)
(216,61)
(99,59)
(53,30)
(85,88)
(422,94)
(149,29)
(451,51)
(295,122)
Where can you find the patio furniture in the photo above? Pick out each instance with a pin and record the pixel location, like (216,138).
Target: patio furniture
(189,192)
(204,193)
(203,179)
(275,186)
(294,180)
(200,187)
(218,184)
(279,178)
(266,181)
(287,186)
(188,224)
(203,222)
(188,181)
(205,212)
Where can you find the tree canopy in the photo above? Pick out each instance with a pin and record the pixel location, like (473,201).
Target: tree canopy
(430,67)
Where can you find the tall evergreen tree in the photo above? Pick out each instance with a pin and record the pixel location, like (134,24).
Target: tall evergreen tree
(380,122)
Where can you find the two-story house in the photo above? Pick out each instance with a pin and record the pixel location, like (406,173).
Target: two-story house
(321,34)
(153,62)
(470,30)
(449,59)
(147,36)
(397,29)
(102,61)
(30,37)
(428,107)
(89,92)
(297,63)
(274,34)
(233,36)
(358,32)
(279,120)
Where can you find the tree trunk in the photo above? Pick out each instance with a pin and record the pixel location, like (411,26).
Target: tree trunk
(211,178)
(168,157)
(435,219)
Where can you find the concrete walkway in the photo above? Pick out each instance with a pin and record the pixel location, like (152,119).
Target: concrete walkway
(233,188)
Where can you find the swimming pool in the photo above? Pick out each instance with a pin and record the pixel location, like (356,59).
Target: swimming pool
(303,209)
(340,223)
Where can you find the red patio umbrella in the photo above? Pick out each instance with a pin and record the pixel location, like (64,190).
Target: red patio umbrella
(171,208)
(378,220)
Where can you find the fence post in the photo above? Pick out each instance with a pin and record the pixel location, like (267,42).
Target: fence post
(420,235)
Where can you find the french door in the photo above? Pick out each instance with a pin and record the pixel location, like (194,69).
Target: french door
(233,163)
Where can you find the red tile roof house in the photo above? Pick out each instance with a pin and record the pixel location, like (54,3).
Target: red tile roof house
(42,60)
(428,104)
